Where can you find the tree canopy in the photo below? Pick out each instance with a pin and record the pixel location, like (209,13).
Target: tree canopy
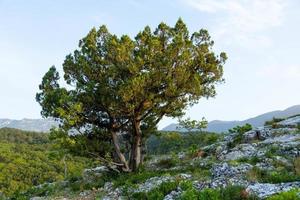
(124,86)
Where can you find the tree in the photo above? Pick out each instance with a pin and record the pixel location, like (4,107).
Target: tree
(191,125)
(119,85)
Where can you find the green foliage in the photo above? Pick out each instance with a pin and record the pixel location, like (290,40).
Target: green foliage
(228,193)
(289,195)
(192,125)
(167,142)
(157,193)
(20,137)
(241,129)
(297,166)
(271,151)
(273,122)
(168,162)
(264,176)
(238,138)
(252,160)
(120,84)
(29,160)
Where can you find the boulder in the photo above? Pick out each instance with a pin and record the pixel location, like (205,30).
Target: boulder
(241,151)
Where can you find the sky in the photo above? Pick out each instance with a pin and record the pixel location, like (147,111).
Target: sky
(261,39)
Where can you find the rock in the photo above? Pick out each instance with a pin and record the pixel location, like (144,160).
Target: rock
(223,169)
(261,133)
(223,175)
(173,195)
(291,139)
(290,122)
(157,181)
(263,190)
(241,151)
(90,175)
(37,198)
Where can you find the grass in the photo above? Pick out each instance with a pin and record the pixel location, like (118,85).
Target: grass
(264,176)
(289,195)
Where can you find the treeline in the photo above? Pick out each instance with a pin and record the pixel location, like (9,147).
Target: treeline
(167,142)
(19,136)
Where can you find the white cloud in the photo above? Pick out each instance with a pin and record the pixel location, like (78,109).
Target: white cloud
(243,21)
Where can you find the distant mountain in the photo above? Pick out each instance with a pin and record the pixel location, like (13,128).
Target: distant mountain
(38,125)
(221,126)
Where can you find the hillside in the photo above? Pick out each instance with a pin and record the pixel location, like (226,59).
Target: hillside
(262,163)
(222,126)
(29,159)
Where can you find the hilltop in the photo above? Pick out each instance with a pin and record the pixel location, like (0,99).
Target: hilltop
(222,126)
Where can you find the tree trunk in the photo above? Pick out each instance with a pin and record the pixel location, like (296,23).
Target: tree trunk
(120,155)
(135,157)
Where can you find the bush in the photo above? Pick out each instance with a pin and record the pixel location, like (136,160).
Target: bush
(238,138)
(297,165)
(273,122)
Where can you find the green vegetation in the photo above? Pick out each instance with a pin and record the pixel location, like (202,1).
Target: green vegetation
(27,159)
(157,193)
(120,84)
(167,142)
(192,125)
(273,122)
(279,176)
(289,195)
(238,138)
(228,193)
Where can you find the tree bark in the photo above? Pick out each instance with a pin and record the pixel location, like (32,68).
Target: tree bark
(135,157)
(120,155)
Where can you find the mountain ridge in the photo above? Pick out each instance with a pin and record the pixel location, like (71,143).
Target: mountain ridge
(257,121)
(26,124)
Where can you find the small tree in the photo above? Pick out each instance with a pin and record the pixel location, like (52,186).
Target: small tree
(119,85)
(191,125)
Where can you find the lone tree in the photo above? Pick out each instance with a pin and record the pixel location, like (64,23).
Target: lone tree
(124,86)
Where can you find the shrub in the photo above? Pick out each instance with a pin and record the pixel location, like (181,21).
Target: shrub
(297,165)
(238,138)
(273,122)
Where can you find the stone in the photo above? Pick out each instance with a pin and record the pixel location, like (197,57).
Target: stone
(290,122)
(263,190)
(241,151)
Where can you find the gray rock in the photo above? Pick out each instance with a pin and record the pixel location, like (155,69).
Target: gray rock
(261,133)
(263,190)
(291,122)
(241,151)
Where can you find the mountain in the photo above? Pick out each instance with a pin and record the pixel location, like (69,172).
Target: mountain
(38,125)
(221,126)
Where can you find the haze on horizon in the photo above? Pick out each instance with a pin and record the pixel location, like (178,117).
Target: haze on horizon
(261,39)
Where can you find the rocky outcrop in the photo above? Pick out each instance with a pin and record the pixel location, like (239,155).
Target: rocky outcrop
(291,122)
(263,190)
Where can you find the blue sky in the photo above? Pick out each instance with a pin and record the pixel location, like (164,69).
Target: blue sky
(261,39)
